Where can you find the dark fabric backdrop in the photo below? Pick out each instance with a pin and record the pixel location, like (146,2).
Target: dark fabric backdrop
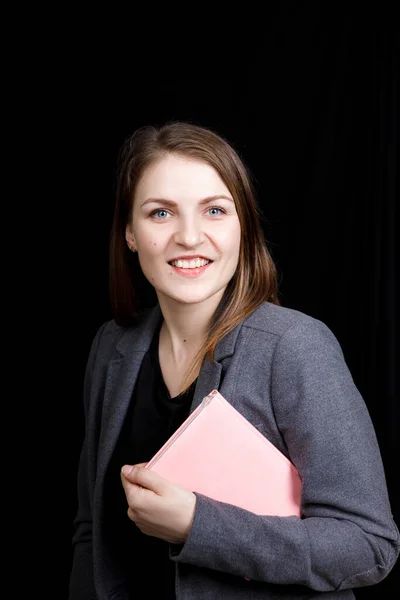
(315,117)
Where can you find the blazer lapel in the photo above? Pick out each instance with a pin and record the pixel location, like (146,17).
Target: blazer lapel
(210,373)
(122,373)
(208,379)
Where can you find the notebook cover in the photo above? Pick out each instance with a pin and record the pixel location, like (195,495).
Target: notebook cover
(219,453)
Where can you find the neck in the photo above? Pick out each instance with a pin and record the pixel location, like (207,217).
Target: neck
(185,326)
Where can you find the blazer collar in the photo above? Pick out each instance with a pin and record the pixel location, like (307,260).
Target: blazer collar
(138,338)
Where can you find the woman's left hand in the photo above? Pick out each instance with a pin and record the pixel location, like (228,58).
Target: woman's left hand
(158,507)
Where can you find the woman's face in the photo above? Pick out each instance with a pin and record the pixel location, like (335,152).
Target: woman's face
(186,230)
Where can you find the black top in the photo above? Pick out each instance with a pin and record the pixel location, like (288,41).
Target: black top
(142,561)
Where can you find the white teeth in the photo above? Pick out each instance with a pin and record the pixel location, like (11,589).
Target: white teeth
(190,264)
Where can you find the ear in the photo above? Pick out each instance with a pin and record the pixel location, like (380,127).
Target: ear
(130,238)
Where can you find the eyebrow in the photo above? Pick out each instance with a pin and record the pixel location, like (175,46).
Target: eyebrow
(172,203)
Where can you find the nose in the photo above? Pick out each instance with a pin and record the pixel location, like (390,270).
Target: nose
(189,232)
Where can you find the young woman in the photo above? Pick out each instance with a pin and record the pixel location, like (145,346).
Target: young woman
(194,296)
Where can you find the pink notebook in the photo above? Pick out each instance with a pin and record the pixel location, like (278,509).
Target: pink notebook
(220,454)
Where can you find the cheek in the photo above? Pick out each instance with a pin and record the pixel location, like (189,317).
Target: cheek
(149,254)
(231,241)
(148,244)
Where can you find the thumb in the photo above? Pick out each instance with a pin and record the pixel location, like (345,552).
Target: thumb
(146,478)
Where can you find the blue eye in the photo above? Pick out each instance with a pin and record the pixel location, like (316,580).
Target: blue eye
(219,208)
(159,210)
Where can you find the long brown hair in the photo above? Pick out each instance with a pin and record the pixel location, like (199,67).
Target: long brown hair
(255,279)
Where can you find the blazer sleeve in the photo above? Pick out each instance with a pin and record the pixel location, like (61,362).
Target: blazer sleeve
(346,536)
(81,582)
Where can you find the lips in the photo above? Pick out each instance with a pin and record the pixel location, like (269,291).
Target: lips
(191,273)
(191,257)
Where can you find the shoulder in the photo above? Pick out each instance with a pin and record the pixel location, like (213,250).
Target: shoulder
(105,341)
(112,337)
(301,349)
(278,320)
(108,333)
(287,327)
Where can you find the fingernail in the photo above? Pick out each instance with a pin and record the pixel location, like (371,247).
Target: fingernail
(126,469)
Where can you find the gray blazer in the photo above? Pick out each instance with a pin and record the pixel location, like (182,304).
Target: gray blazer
(285,372)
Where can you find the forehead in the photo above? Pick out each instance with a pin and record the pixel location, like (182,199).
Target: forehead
(177,177)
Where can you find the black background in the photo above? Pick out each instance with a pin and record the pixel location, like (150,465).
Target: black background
(314,114)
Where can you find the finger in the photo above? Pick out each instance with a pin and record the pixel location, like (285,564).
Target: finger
(128,482)
(126,469)
(145,478)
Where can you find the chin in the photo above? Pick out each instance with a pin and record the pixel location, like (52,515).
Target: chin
(190,299)
(195,297)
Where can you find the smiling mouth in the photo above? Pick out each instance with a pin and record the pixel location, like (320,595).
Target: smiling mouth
(195,263)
